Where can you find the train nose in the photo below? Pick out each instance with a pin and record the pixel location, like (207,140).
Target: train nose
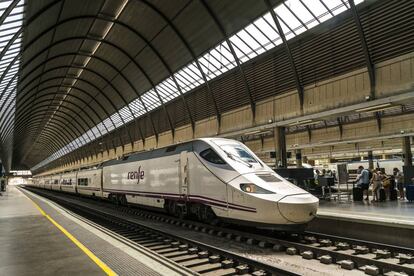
(298,208)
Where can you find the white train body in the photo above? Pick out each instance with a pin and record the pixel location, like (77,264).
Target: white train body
(215,174)
(89,182)
(47,182)
(55,182)
(68,182)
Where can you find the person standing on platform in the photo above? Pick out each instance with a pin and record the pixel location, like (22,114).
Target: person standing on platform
(399,179)
(363,180)
(376,181)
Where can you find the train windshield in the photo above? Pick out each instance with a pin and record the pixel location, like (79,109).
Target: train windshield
(239,152)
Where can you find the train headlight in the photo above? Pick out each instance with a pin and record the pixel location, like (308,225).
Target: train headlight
(253,189)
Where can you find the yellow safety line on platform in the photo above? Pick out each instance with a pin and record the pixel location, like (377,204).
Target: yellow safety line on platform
(101,264)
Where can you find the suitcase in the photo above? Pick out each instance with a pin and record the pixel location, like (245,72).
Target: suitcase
(409,192)
(393,194)
(382,195)
(357,194)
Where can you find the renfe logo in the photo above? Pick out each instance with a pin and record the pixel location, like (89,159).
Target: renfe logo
(139,174)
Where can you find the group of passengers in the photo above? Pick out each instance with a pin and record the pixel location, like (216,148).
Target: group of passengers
(379,180)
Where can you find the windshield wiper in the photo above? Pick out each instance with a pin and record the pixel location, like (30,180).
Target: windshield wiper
(239,159)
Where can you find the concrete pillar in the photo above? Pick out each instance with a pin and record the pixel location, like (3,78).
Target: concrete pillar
(408,161)
(299,158)
(280,147)
(407,154)
(370,160)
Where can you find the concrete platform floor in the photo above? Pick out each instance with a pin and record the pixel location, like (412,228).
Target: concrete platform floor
(389,222)
(397,213)
(31,245)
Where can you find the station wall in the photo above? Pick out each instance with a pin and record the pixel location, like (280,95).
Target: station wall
(394,76)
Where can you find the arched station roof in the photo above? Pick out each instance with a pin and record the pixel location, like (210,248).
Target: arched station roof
(75,72)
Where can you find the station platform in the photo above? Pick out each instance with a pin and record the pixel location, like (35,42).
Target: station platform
(38,237)
(389,222)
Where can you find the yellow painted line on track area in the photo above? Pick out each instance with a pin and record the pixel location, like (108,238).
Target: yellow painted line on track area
(89,253)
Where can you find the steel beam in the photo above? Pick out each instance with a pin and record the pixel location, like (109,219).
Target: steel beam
(230,45)
(299,86)
(192,53)
(364,45)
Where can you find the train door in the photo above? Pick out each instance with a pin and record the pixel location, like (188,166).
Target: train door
(184,183)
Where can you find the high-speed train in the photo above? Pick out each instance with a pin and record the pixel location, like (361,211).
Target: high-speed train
(208,178)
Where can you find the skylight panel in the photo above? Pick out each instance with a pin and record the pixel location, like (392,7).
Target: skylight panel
(4,5)
(205,65)
(167,90)
(183,82)
(189,79)
(116,119)
(269,28)
(108,124)
(151,100)
(317,9)
(249,41)
(6,30)
(137,107)
(290,22)
(195,73)
(242,50)
(91,134)
(224,50)
(14,17)
(191,75)
(216,61)
(335,6)
(171,86)
(95,131)
(102,128)
(125,114)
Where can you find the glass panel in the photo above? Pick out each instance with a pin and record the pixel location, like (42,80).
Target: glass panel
(259,36)
(211,156)
(151,100)
(240,47)
(317,9)
(248,39)
(126,114)
(137,107)
(335,6)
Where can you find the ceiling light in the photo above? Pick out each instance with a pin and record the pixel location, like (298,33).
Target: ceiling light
(374,108)
(252,132)
(300,122)
(310,123)
(305,123)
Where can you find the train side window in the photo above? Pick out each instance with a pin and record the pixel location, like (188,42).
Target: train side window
(83,182)
(212,156)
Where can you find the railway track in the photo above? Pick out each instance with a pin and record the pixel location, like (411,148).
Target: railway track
(371,258)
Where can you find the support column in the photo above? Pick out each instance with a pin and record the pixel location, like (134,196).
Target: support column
(408,168)
(370,160)
(280,147)
(298,158)
(407,154)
